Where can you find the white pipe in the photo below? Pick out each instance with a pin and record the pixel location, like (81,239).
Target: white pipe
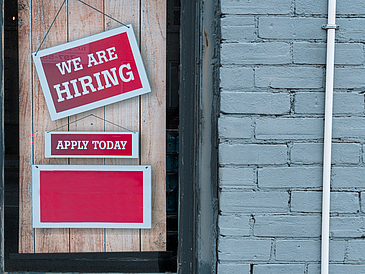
(328,136)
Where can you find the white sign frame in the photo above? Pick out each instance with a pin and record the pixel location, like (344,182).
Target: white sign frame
(103,102)
(48,135)
(147,198)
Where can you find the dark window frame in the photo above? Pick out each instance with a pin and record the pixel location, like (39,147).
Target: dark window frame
(188,259)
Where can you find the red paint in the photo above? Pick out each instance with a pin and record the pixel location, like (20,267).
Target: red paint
(91,196)
(54,76)
(91,144)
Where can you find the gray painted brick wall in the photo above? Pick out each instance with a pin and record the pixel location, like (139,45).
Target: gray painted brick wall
(272,82)
(353,7)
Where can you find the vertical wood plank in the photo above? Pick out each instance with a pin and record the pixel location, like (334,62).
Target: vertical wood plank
(25,130)
(84,21)
(125,114)
(153,118)
(43,13)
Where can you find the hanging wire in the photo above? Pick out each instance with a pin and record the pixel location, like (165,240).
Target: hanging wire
(103,13)
(44,38)
(87,117)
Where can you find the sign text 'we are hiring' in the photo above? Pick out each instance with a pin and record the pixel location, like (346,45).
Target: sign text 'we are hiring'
(91,72)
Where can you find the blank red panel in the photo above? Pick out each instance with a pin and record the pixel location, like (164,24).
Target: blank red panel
(91,196)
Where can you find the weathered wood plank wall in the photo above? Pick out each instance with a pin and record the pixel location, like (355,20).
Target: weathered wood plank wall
(42,14)
(145,114)
(153,107)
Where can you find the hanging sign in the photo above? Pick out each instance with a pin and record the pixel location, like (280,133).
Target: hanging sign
(91,196)
(91,72)
(70,144)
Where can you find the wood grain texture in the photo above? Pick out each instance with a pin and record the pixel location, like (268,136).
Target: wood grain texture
(145,114)
(25,130)
(125,114)
(153,118)
(84,21)
(43,13)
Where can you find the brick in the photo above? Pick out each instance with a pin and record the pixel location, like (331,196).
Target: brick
(255,102)
(287,226)
(234,268)
(315,53)
(363,202)
(337,251)
(312,153)
(254,201)
(289,77)
(244,154)
(338,269)
(255,53)
(236,78)
(243,249)
(307,250)
(356,250)
(235,127)
(234,225)
(348,227)
(300,177)
(349,29)
(347,177)
(308,28)
(289,128)
(236,177)
(256,7)
(349,77)
(316,268)
(307,7)
(298,250)
(291,28)
(279,269)
(348,127)
(311,201)
(320,7)
(343,103)
(238,28)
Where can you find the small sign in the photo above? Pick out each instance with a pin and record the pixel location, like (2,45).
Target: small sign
(91,72)
(71,144)
(91,196)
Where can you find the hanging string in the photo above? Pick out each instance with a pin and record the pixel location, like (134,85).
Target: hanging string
(103,13)
(44,38)
(87,117)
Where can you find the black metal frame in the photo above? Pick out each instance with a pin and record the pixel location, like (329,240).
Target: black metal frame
(187,133)
(129,262)
(190,198)
(12,261)
(2,145)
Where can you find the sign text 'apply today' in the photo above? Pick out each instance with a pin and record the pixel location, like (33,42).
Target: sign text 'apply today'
(91,72)
(72,144)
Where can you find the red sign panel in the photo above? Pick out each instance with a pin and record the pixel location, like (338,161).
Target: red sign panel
(91,72)
(92,196)
(70,144)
